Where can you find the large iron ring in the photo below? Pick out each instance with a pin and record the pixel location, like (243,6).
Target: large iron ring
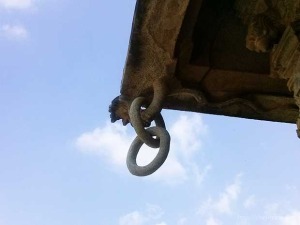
(164,139)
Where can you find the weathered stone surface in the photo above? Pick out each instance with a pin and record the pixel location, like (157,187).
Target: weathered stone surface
(219,57)
(155,30)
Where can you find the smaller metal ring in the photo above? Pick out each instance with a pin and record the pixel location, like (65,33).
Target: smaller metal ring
(138,125)
(159,159)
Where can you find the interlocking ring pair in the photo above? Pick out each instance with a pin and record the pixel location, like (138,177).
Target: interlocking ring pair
(146,136)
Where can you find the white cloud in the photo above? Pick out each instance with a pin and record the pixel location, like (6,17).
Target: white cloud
(223,205)
(154,212)
(14,32)
(172,172)
(231,194)
(292,218)
(250,202)
(213,221)
(187,132)
(16,4)
(133,218)
(149,216)
(112,142)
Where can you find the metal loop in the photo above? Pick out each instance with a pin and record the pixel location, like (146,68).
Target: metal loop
(159,159)
(138,123)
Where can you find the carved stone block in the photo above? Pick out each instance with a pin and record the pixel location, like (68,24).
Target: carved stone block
(285,64)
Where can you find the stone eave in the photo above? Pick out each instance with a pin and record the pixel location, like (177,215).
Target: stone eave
(161,45)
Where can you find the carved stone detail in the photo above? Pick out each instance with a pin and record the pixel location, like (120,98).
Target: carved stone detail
(119,110)
(266,20)
(285,55)
(274,24)
(285,64)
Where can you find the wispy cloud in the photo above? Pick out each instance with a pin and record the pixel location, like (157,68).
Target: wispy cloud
(292,218)
(133,218)
(213,221)
(230,195)
(16,4)
(151,215)
(14,32)
(112,142)
(187,131)
(223,204)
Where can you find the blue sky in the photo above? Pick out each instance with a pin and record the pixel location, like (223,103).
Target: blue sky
(62,162)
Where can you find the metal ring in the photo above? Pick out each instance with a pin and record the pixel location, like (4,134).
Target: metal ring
(138,125)
(159,159)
